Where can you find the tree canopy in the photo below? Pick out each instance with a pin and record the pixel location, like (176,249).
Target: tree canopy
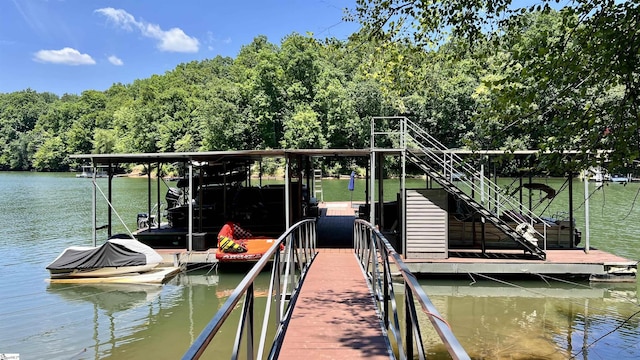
(552,78)
(481,74)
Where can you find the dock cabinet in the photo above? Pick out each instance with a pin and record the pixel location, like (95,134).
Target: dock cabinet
(427,222)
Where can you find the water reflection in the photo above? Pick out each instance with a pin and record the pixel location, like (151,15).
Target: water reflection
(537,320)
(54,212)
(139,321)
(112,298)
(118,309)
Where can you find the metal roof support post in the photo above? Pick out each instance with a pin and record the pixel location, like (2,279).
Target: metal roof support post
(530,182)
(158,194)
(482,183)
(225,211)
(572,226)
(200,194)
(287,189)
(93,207)
(366,186)
(520,191)
(403,183)
(372,186)
(307,175)
(372,179)
(110,191)
(190,240)
(299,213)
(149,193)
(381,189)
(586,214)
(496,195)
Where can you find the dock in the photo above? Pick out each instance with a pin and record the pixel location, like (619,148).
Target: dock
(335,227)
(335,316)
(595,264)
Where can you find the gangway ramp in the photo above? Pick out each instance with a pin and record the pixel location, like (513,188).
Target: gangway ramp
(335,315)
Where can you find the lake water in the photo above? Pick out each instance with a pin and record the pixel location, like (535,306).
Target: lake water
(41,214)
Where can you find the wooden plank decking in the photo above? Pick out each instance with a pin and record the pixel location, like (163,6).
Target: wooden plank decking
(334,316)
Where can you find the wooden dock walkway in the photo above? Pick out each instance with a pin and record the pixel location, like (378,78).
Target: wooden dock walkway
(335,316)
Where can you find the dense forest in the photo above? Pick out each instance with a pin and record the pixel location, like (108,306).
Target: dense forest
(510,89)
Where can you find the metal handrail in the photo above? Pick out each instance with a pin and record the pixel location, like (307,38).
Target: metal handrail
(288,265)
(410,135)
(456,163)
(374,253)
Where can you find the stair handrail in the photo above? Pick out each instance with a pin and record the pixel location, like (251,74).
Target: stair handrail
(288,270)
(518,213)
(375,254)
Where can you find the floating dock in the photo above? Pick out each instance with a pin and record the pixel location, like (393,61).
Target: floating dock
(419,222)
(597,265)
(335,227)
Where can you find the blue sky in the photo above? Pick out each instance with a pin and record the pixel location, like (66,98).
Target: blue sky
(68,46)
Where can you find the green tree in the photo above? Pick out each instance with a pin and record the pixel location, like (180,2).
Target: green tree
(303,130)
(574,71)
(51,156)
(261,78)
(104,141)
(19,113)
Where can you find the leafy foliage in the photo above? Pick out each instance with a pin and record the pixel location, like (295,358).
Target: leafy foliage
(554,78)
(481,74)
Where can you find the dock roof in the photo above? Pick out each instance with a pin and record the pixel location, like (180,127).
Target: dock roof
(218,156)
(256,155)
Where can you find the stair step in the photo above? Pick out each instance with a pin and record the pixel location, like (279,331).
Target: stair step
(498,222)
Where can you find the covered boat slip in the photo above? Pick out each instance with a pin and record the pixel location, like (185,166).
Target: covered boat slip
(217,187)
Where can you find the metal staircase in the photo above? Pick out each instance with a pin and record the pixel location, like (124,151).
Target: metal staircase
(472,187)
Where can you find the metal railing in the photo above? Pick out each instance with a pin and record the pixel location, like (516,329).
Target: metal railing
(501,203)
(289,267)
(487,193)
(375,252)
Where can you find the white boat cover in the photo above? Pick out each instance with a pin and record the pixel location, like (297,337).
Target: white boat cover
(113,253)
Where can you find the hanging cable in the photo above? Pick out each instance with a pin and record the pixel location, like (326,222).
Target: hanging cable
(584,348)
(590,195)
(527,289)
(632,205)
(564,281)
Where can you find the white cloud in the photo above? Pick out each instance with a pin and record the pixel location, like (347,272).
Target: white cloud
(66,56)
(176,40)
(173,40)
(115,60)
(119,17)
(212,40)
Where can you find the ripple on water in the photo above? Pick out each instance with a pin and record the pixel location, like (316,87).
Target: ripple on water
(45,213)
